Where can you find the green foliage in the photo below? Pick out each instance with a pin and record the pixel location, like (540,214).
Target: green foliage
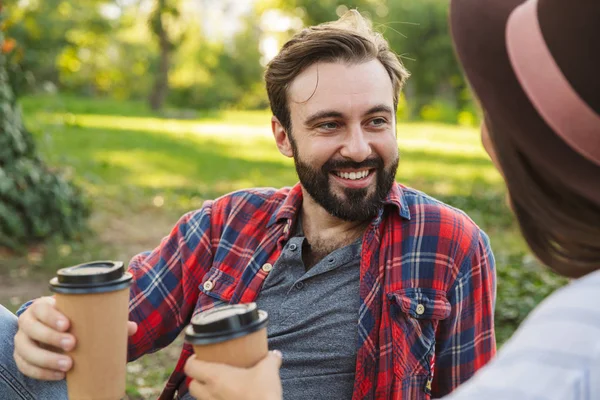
(316,12)
(439,111)
(82,51)
(211,75)
(61,40)
(522,284)
(35,202)
(418,31)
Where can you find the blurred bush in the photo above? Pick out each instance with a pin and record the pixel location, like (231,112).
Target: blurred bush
(35,202)
(522,284)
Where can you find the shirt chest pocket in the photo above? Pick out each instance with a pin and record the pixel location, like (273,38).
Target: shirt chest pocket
(215,289)
(415,316)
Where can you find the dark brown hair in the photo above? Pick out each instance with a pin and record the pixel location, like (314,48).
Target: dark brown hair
(561,227)
(349,39)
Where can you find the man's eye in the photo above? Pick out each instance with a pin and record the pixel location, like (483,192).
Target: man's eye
(329,125)
(378,121)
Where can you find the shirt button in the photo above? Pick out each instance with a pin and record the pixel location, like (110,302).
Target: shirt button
(420,309)
(267,267)
(293,246)
(208,285)
(299,285)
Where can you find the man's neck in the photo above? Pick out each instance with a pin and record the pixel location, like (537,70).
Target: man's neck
(324,232)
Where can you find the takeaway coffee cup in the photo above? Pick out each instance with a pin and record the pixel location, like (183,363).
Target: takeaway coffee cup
(233,334)
(95,298)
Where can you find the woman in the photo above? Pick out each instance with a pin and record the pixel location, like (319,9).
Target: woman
(534,67)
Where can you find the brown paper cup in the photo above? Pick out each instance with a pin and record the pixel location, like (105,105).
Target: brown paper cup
(95,298)
(234,334)
(243,352)
(99,324)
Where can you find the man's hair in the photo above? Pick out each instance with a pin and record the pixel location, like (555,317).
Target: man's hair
(349,40)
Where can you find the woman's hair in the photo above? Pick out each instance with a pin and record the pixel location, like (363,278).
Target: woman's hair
(560,226)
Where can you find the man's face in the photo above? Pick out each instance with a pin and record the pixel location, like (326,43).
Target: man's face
(343,137)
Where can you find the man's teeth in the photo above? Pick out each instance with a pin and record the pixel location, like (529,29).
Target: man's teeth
(353,175)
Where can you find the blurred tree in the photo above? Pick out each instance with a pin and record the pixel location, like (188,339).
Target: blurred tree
(101,47)
(35,202)
(64,40)
(418,31)
(316,12)
(211,74)
(161,23)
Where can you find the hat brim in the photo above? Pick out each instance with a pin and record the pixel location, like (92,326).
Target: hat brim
(478,30)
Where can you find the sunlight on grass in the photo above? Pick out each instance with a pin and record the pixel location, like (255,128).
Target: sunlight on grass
(163,125)
(150,152)
(430,137)
(442,139)
(141,169)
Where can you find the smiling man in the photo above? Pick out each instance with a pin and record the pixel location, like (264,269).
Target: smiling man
(343,143)
(374,290)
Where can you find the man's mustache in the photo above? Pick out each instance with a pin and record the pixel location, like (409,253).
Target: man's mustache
(369,163)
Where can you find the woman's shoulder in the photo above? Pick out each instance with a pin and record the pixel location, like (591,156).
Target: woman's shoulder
(560,339)
(554,355)
(580,298)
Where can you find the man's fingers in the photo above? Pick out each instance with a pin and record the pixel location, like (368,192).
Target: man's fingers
(272,360)
(44,310)
(37,373)
(32,354)
(131,328)
(36,330)
(199,391)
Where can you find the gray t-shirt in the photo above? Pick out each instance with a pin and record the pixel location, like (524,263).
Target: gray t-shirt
(313,319)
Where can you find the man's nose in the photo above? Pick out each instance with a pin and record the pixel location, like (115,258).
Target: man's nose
(356,146)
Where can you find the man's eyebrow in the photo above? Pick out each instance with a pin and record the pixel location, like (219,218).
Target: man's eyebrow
(322,114)
(336,114)
(380,108)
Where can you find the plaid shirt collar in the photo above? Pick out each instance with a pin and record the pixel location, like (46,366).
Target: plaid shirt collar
(288,210)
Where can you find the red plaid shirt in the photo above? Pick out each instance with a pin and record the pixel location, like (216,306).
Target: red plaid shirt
(427,286)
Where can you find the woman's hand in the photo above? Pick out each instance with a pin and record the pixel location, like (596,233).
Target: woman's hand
(213,381)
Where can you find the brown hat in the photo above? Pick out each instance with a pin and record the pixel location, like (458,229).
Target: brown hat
(535,67)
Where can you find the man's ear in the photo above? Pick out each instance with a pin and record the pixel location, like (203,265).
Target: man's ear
(281,138)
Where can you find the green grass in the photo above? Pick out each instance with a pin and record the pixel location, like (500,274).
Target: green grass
(142,171)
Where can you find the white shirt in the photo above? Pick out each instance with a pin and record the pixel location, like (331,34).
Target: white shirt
(555,353)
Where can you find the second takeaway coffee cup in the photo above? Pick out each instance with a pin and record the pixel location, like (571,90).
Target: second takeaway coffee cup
(234,334)
(95,298)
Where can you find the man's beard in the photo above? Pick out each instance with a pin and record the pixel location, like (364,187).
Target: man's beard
(358,204)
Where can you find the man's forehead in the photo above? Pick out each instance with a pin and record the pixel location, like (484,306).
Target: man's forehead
(332,85)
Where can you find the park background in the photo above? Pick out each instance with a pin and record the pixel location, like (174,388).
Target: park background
(116,117)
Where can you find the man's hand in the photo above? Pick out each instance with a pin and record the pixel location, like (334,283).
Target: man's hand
(222,382)
(41,339)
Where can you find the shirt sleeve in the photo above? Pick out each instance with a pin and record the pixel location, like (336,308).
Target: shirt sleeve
(24,307)
(166,281)
(465,341)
